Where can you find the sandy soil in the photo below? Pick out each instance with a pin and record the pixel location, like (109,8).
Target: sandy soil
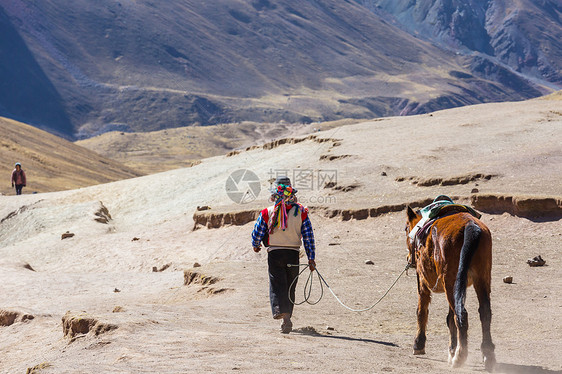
(165,326)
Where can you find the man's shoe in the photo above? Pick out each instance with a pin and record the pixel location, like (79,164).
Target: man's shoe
(286,326)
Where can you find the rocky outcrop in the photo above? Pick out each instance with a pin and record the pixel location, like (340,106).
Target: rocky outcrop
(279,142)
(102,214)
(521,206)
(214,220)
(451,181)
(203,283)
(334,157)
(192,277)
(80,324)
(18,211)
(9,317)
(37,368)
(364,213)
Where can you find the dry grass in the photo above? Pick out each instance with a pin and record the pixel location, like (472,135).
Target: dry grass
(157,151)
(553,96)
(52,163)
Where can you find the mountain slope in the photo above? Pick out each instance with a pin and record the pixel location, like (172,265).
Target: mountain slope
(140,66)
(524,35)
(155,151)
(52,163)
(25,91)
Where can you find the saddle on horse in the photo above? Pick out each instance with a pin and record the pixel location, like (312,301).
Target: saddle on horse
(442,206)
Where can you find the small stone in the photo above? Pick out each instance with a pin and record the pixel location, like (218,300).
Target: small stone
(135,239)
(154,269)
(116,290)
(28,267)
(204,207)
(196,265)
(536,261)
(67,234)
(508,279)
(474,190)
(383,174)
(369,262)
(330,328)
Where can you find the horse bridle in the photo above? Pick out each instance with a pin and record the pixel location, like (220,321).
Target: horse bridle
(411,248)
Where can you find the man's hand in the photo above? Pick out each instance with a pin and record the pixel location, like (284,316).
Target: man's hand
(311,265)
(257,249)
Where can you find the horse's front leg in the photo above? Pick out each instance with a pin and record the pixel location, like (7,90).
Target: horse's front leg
(424,298)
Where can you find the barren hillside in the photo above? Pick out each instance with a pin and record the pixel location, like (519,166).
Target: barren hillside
(82,68)
(114,297)
(52,163)
(156,151)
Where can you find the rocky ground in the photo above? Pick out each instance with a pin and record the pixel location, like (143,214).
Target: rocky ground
(124,293)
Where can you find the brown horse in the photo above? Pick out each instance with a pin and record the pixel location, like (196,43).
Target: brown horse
(457,253)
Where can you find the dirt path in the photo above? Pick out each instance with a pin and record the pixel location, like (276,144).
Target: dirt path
(104,273)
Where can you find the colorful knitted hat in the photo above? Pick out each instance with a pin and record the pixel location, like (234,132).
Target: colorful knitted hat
(281,181)
(283,194)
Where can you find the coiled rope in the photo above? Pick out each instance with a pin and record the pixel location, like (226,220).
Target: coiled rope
(308,288)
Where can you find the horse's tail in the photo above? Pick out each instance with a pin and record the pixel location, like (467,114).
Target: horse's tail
(472,233)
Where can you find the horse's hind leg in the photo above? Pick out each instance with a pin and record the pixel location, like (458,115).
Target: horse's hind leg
(424,298)
(485,310)
(458,330)
(452,334)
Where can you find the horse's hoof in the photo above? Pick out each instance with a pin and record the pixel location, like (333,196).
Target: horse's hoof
(419,351)
(489,364)
(458,361)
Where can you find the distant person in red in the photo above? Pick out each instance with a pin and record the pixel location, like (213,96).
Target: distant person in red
(18,178)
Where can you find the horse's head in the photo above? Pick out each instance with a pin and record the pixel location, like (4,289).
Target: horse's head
(413,218)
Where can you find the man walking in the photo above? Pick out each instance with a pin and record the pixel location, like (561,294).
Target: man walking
(282,227)
(18,178)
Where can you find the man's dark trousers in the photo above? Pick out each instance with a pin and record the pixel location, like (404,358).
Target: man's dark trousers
(281,277)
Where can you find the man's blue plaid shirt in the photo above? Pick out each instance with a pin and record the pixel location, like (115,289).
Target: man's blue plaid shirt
(260,229)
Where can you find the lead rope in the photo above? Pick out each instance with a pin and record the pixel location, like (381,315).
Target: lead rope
(308,286)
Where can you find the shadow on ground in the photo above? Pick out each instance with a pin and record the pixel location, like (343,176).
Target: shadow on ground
(311,331)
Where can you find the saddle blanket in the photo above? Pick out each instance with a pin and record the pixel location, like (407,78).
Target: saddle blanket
(440,207)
